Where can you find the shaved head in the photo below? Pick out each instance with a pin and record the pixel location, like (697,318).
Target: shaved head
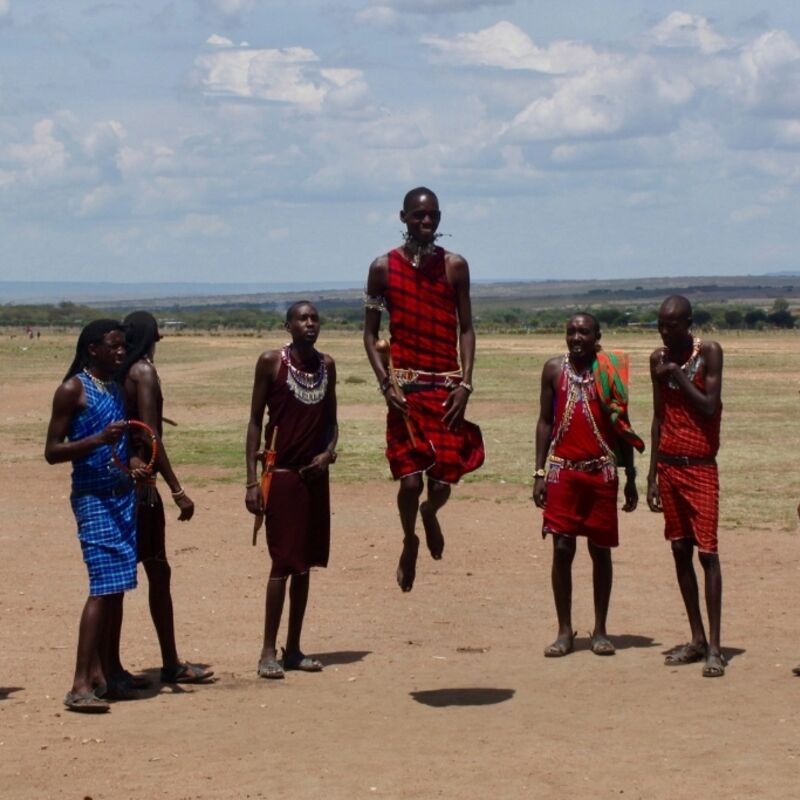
(676,306)
(414,195)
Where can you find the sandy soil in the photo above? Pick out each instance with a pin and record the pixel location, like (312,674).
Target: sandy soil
(440,693)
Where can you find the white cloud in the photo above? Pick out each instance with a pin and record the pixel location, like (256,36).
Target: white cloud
(682,30)
(289,75)
(215,40)
(506,46)
(278,234)
(378,16)
(5,8)
(45,156)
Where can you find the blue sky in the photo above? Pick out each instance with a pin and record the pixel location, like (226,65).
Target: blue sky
(246,140)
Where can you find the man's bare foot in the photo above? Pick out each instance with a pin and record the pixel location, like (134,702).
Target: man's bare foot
(433,532)
(562,646)
(407,568)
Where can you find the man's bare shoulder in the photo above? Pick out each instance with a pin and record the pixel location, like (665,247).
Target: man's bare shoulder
(269,357)
(380,264)
(658,355)
(552,365)
(328,359)
(709,348)
(143,368)
(71,390)
(455,260)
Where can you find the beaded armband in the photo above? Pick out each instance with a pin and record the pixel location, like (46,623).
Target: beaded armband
(375,302)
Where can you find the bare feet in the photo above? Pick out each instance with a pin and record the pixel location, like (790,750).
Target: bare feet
(433,532)
(407,568)
(562,646)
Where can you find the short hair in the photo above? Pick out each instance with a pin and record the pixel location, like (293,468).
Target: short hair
(592,317)
(418,192)
(294,306)
(93,333)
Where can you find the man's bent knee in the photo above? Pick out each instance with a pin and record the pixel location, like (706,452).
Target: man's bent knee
(411,485)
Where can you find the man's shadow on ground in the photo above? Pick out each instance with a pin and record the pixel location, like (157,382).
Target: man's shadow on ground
(338,657)
(5,691)
(729,652)
(468,696)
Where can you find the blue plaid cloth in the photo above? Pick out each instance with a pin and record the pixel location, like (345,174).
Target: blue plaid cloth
(103,498)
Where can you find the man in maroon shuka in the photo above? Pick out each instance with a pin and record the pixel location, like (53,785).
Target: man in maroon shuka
(683,482)
(297,385)
(579,444)
(428,380)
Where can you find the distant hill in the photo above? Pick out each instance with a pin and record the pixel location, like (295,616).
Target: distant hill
(755,289)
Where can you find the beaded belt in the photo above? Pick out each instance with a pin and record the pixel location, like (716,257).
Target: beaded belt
(686,461)
(602,464)
(413,378)
(120,490)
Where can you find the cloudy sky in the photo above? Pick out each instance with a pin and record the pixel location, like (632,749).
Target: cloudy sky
(262,140)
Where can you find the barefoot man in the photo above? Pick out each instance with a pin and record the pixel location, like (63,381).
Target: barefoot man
(86,426)
(683,482)
(297,385)
(582,435)
(145,402)
(428,378)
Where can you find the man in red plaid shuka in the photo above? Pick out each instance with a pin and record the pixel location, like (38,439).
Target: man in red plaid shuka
(427,381)
(683,482)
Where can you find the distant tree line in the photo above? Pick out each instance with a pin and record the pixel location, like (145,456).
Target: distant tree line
(350,316)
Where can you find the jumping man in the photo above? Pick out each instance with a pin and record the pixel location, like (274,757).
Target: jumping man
(427,381)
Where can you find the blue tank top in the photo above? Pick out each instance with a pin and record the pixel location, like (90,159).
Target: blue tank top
(97,472)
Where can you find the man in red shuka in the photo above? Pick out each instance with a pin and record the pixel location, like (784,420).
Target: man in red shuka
(428,381)
(683,482)
(582,434)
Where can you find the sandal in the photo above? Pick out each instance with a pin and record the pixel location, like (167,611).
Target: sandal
(689,653)
(714,666)
(184,672)
(560,647)
(86,703)
(269,668)
(602,646)
(301,662)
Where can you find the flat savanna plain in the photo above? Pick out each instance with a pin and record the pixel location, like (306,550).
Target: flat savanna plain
(442,692)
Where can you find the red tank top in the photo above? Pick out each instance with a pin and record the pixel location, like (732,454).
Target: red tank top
(578,442)
(684,430)
(423,323)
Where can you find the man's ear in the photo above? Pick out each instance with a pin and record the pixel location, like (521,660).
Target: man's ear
(403,216)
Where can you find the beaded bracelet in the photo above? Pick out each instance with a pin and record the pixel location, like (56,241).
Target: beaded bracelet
(180,493)
(251,485)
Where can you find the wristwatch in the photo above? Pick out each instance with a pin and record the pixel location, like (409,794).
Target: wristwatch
(539,473)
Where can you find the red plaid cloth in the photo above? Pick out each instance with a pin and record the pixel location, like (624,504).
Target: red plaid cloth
(690,497)
(423,325)
(444,454)
(684,430)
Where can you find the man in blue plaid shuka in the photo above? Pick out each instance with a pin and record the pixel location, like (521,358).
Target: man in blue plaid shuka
(87,423)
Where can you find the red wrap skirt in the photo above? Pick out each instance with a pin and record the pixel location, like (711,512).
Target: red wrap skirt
(690,498)
(582,504)
(443,454)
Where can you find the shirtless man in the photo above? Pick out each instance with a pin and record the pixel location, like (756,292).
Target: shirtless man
(683,481)
(145,402)
(427,381)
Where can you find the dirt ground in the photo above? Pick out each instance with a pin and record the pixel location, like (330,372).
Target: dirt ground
(440,693)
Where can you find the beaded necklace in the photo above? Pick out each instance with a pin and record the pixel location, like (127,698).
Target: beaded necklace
(691,365)
(581,387)
(101,385)
(307,387)
(418,250)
